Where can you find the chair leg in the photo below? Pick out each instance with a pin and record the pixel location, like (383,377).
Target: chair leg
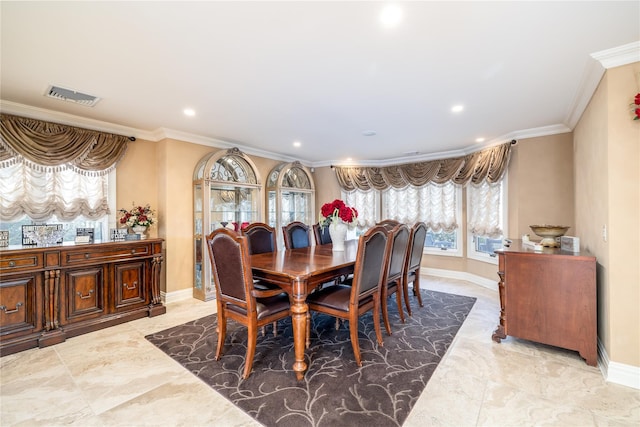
(275,329)
(252,338)
(405,291)
(222,332)
(399,300)
(376,319)
(416,287)
(385,310)
(353,333)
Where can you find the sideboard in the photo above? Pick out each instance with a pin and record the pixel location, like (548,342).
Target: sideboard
(48,294)
(549,297)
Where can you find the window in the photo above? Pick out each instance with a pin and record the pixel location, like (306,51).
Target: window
(31,196)
(366,203)
(486,219)
(437,205)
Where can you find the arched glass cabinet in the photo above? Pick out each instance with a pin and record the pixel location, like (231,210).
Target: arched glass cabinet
(290,196)
(226,193)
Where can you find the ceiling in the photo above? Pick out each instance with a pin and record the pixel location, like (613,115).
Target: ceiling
(261,75)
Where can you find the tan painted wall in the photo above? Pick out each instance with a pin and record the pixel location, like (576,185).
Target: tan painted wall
(607,151)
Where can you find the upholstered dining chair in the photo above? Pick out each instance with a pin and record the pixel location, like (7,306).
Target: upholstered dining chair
(351,302)
(296,235)
(262,237)
(321,234)
(412,263)
(394,282)
(236,296)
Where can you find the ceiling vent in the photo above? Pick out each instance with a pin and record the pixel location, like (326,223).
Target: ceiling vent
(71,95)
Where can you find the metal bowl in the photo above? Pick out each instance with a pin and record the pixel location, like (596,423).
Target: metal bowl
(549,233)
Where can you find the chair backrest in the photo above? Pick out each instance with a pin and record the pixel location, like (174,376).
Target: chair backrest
(296,235)
(262,237)
(389,222)
(399,237)
(416,246)
(321,234)
(231,267)
(369,269)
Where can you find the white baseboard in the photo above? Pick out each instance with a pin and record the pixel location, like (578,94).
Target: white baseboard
(182,294)
(617,373)
(461,275)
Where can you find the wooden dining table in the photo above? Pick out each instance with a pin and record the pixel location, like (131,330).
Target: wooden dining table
(298,272)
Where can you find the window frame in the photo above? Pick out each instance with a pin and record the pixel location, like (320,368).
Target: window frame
(458,252)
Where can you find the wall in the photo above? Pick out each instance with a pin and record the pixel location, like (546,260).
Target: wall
(607,194)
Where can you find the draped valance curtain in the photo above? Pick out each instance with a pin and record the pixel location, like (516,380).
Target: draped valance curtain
(49,169)
(483,166)
(52,146)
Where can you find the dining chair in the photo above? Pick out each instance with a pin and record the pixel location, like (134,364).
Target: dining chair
(412,263)
(262,237)
(350,302)
(321,234)
(394,282)
(236,296)
(296,235)
(391,222)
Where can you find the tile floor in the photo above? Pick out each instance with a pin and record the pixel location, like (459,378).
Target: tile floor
(114,377)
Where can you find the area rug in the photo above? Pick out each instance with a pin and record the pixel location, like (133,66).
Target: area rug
(334,392)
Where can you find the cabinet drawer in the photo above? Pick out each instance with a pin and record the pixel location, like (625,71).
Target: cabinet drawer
(84,294)
(20,262)
(17,305)
(130,279)
(92,256)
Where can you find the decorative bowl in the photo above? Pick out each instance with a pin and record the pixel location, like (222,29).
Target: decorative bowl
(549,234)
(47,236)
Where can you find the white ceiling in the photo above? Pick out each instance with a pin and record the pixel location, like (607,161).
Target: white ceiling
(261,75)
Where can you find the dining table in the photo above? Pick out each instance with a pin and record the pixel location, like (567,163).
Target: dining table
(299,272)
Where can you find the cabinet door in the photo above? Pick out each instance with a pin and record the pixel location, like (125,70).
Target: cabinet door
(18,311)
(84,294)
(130,289)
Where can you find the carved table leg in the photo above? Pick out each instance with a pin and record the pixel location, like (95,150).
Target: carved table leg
(299,310)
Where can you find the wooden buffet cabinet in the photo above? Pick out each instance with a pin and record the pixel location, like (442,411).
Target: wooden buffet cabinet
(548,296)
(48,294)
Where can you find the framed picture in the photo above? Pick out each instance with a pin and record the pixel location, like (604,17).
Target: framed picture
(84,235)
(4,238)
(27,241)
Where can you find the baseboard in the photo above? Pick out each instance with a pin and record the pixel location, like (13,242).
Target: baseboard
(461,275)
(174,296)
(617,373)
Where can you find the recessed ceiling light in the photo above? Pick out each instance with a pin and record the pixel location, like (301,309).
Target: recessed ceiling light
(297,143)
(189,112)
(457,108)
(369,132)
(349,159)
(390,16)
(479,139)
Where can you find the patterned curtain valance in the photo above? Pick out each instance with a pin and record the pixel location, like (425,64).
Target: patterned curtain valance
(50,146)
(483,166)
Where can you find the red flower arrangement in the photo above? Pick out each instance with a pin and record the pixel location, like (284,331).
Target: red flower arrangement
(636,107)
(337,210)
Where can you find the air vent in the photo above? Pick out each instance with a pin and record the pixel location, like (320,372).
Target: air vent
(71,95)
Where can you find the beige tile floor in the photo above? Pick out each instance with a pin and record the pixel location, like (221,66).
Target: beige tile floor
(114,377)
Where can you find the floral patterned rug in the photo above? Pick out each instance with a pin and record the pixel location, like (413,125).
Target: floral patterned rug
(334,392)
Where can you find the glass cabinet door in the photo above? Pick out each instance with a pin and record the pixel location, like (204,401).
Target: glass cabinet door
(290,196)
(226,194)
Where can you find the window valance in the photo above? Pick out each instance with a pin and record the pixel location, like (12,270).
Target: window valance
(47,146)
(483,166)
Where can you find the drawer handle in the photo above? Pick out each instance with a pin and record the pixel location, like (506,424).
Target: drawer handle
(135,285)
(87,256)
(85,296)
(133,251)
(12,264)
(4,308)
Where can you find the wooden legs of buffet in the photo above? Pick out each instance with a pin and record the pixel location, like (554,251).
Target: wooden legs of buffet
(548,297)
(48,294)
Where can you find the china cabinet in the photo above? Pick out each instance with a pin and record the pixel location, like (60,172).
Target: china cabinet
(51,293)
(290,196)
(226,193)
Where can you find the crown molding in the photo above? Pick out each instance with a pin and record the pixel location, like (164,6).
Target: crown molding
(618,56)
